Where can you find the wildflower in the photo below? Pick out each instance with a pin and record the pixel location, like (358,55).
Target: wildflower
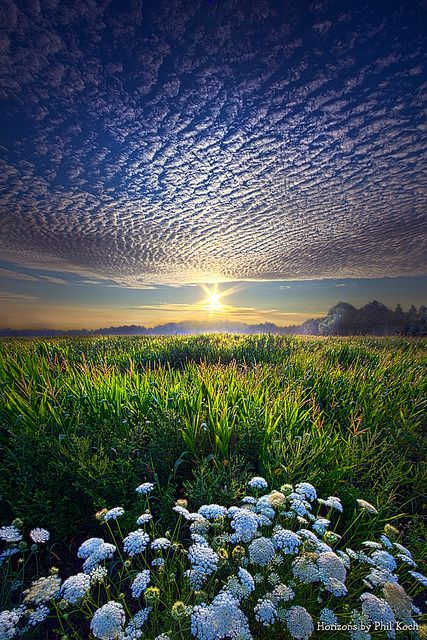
(222,619)
(132,631)
(238,552)
(273,578)
(203,558)
(404,558)
(261,551)
(88,547)
(152,595)
(334,586)
(99,515)
(333,503)
(419,576)
(157,562)
(367,506)
(182,511)
(39,535)
(75,587)
(386,542)
(299,507)
(299,622)
(160,544)
(140,583)
(103,552)
(180,610)
(257,483)
(144,518)
(249,500)
(9,621)
(43,590)
(108,621)
(265,611)
(331,566)
(305,569)
(282,593)
(162,636)
(402,549)
(145,488)
(398,600)
(306,490)
(10,534)
(328,616)
(384,560)
(276,498)
(287,541)
(360,623)
(98,574)
(246,580)
(245,523)
(320,525)
(380,577)
(377,610)
(38,615)
(115,513)
(212,511)
(391,531)
(136,542)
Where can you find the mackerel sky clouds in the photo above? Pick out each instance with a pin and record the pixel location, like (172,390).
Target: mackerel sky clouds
(147,144)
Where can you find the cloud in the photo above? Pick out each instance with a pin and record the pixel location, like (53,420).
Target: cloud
(192,142)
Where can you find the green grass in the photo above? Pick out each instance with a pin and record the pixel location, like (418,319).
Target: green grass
(83,421)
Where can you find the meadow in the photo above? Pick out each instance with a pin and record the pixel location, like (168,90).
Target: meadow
(85,421)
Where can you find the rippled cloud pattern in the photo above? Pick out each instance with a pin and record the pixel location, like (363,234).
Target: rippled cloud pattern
(188,141)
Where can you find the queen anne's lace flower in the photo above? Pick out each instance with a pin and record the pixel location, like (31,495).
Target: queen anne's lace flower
(88,547)
(43,590)
(245,524)
(366,505)
(39,535)
(265,611)
(246,580)
(402,549)
(212,511)
(160,544)
(334,586)
(108,621)
(299,622)
(145,488)
(140,583)
(203,559)
(38,615)
(320,525)
(104,551)
(133,628)
(261,551)
(305,569)
(114,513)
(257,483)
(282,593)
(331,566)
(380,577)
(306,490)
(9,621)
(328,616)
(384,560)
(222,619)
(333,503)
(136,542)
(287,541)
(75,587)
(419,576)
(144,518)
(377,610)
(10,534)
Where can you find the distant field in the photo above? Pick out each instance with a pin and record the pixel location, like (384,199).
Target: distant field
(85,420)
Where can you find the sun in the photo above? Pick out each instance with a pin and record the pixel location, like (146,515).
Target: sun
(214,300)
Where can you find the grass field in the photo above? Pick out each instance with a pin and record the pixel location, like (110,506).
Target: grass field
(84,421)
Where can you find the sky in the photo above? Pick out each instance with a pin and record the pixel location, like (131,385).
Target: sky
(255,160)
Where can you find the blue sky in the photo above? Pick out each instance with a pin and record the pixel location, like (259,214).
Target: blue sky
(146,148)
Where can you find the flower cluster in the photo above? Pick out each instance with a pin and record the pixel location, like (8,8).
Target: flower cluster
(271,566)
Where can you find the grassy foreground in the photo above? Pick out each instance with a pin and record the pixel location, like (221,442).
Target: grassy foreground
(83,421)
